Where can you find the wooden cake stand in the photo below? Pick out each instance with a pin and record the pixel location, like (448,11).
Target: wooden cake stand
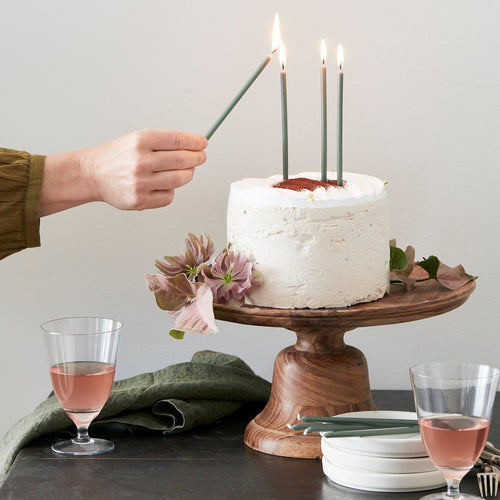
(320,374)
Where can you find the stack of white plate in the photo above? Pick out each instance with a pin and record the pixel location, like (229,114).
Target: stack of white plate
(391,463)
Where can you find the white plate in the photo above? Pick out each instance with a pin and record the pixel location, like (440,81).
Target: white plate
(372,481)
(371,463)
(392,445)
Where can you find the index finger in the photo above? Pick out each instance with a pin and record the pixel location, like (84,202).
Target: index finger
(172,140)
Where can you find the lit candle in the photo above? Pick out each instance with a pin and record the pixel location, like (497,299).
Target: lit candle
(340,108)
(284,111)
(323,113)
(258,71)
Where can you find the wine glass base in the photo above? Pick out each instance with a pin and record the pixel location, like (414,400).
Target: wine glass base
(71,447)
(443,496)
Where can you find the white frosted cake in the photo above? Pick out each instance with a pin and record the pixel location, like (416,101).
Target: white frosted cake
(325,247)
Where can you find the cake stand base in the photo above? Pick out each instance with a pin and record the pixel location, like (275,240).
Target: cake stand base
(309,383)
(320,375)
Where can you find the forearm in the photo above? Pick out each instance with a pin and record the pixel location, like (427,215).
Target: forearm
(133,172)
(67,182)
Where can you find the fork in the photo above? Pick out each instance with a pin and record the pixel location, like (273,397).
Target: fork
(488,480)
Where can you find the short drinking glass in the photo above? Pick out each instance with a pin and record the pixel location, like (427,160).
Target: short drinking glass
(454,403)
(82,355)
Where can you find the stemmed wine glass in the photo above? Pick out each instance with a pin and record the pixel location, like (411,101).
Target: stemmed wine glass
(454,403)
(82,354)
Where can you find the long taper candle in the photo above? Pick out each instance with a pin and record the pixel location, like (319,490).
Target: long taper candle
(284,111)
(324,169)
(340,111)
(258,71)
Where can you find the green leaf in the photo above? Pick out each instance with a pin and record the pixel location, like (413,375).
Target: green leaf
(177,334)
(431,265)
(398,259)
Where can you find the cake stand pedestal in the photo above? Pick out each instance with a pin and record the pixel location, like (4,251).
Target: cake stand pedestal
(320,374)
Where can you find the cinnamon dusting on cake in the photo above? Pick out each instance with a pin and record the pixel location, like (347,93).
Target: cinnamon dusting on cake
(304,184)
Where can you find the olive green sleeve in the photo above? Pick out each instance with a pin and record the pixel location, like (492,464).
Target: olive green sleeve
(20,184)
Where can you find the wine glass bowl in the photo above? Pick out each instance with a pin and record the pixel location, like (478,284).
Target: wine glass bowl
(82,355)
(453,403)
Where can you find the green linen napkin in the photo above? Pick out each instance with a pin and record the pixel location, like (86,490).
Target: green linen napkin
(178,397)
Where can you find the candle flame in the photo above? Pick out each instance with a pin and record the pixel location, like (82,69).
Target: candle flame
(323,51)
(282,55)
(340,57)
(276,34)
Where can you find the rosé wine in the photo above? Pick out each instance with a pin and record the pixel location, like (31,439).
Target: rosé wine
(454,442)
(82,386)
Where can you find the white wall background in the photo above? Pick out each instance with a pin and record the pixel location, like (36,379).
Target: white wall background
(422,110)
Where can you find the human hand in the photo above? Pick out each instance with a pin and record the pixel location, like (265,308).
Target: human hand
(141,170)
(133,172)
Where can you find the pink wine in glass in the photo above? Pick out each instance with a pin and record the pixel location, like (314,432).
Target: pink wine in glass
(82,388)
(454,442)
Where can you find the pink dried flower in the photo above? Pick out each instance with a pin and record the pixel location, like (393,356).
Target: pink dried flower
(188,285)
(197,316)
(189,304)
(230,277)
(199,249)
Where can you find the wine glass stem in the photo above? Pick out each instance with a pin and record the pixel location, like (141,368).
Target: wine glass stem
(453,491)
(83,434)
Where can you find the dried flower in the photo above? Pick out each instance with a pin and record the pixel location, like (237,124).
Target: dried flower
(199,249)
(230,277)
(171,293)
(188,285)
(190,304)
(198,314)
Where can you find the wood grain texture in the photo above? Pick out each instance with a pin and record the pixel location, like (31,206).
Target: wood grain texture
(426,300)
(320,374)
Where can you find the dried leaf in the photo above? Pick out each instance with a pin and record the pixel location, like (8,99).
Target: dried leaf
(430,268)
(419,274)
(453,277)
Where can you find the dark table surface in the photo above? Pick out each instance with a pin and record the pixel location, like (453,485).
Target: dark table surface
(209,462)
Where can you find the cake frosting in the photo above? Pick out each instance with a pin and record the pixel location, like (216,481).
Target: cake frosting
(327,247)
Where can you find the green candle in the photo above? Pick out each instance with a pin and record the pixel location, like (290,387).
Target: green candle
(340,419)
(323,114)
(340,112)
(258,71)
(284,111)
(373,432)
